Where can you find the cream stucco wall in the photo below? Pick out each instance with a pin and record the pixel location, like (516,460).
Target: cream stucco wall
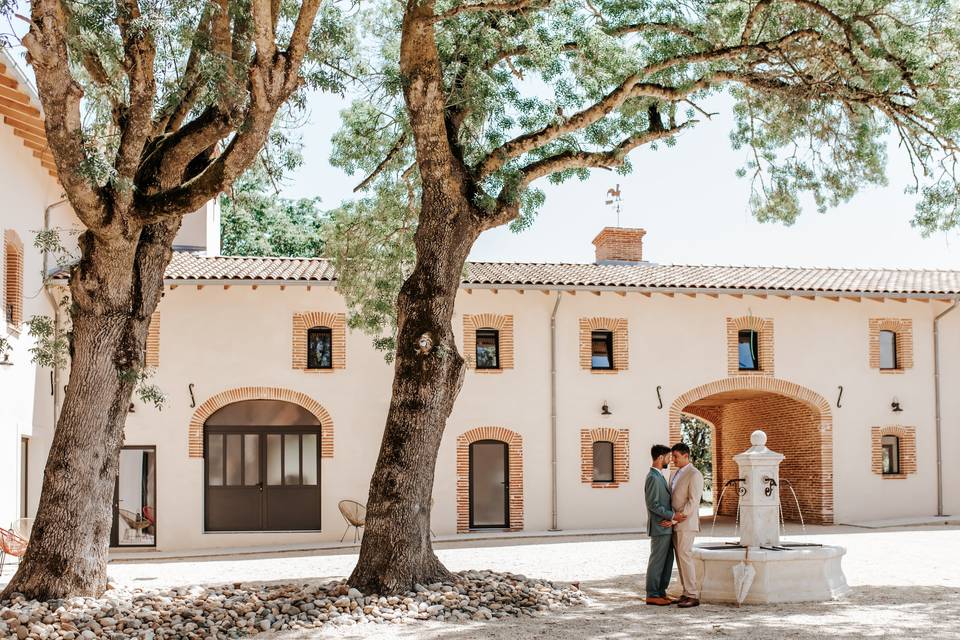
(950,417)
(219,339)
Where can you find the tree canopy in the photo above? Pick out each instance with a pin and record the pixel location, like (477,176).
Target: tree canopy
(553,88)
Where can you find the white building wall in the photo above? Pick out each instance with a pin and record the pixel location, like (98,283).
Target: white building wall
(950,417)
(219,339)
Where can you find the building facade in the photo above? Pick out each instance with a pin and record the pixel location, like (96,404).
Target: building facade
(275,408)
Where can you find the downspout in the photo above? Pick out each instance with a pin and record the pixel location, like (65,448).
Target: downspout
(936,395)
(553,415)
(56,309)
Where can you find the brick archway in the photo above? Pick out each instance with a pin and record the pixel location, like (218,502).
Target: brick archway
(798,422)
(514,444)
(222,399)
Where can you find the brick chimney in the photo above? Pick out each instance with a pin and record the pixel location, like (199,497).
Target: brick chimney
(619,244)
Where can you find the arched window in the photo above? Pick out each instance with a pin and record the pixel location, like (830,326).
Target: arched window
(488,349)
(890,448)
(748,350)
(603,461)
(13,284)
(888,349)
(319,348)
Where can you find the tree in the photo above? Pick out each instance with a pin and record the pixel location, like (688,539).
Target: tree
(151,109)
(696,434)
(256,222)
(472,101)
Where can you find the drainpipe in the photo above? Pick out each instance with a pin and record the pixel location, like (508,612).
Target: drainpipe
(553,415)
(56,308)
(936,395)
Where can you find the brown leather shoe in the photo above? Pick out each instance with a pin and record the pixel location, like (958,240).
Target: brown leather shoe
(686,603)
(660,602)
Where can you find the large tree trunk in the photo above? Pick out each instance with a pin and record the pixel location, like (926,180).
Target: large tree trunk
(396,551)
(114,289)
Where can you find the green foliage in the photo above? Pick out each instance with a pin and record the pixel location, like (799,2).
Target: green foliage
(255,222)
(819,86)
(696,434)
(50,348)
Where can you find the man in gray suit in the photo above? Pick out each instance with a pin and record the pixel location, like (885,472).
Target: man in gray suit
(660,519)
(686,488)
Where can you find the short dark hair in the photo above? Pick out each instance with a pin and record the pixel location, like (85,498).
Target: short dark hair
(658,450)
(681,448)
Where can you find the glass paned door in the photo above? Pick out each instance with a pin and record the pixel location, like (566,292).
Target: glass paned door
(135,498)
(488,484)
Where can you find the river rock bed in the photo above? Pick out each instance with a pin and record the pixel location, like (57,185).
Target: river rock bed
(247,609)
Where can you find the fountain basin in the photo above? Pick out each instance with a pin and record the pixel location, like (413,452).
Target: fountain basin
(801,574)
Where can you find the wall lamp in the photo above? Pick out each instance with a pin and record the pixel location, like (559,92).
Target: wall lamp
(5,360)
(605,409)
(895,406)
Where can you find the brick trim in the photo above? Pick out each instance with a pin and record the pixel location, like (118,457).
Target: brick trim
(336,322)
(908,450)
(13,277)
(152,357)
(222,399)
(621,349)
(514,458)
(816,402)
(903,328)
(763,326)
(503,324)
(619,244)
(621,455)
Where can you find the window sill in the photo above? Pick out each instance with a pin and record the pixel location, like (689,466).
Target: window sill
(330,370)
(893,476)
(893,371)
(751,372)
(605,371)
(489,370)
(604,485)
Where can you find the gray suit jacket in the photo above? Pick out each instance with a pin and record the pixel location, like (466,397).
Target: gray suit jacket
(657,495)
(686,496)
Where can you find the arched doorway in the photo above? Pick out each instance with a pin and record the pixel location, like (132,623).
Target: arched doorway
(798,424)
(262,467)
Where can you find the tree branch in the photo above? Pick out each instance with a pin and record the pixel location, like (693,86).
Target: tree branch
(383,163)
(484,7)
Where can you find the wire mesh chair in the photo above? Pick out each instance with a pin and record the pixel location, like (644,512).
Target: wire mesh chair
(22,527)
(135,521)
(356,516)
(11,544)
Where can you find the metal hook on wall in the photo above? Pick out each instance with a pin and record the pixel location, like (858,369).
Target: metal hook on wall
(193,401)
(840,386)
(659,399)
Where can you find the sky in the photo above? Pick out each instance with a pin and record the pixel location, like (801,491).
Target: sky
(691,203)
(689,200)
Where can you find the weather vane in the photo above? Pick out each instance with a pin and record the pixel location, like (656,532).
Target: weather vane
(614,198)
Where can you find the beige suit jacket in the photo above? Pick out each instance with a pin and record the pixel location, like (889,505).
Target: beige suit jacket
(685,497)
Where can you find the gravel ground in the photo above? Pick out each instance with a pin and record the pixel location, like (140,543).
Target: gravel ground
(903,583)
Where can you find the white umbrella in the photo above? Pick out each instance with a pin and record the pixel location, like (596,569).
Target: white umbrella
(743,577)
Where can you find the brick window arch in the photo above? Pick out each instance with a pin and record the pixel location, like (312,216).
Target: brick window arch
(902,328)
(618,327)
(764,330)
(306,320)
(12,280)
(907,446)
(503,325)
(621,455)
(514,443)
(222,399)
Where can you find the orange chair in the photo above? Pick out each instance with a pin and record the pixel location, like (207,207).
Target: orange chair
(11,544)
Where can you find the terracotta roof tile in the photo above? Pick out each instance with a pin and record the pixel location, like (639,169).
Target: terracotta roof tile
(189,266)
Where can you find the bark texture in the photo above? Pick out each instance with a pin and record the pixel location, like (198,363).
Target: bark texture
(165,166)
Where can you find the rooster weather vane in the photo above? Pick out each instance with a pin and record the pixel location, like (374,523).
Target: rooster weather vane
(615,200)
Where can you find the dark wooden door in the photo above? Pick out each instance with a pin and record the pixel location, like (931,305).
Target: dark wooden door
(262,478)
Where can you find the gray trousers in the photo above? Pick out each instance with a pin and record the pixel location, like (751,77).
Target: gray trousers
(659,566)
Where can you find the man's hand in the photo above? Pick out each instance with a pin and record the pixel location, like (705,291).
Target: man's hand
(666,523)
(679,517)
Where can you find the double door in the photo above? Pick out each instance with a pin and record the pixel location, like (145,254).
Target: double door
(262,478)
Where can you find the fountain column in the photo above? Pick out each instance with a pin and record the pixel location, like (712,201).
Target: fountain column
(760,505)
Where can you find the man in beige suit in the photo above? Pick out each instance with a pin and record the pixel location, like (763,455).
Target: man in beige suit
(686,488)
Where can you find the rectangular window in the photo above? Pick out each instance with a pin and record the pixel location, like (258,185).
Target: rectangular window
(603,462)
(488,349)
(888,350)
(319,348)
(748,350)
(891,454)
(215,460)
(601,350)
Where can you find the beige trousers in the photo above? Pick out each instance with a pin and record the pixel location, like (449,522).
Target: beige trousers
(683,546)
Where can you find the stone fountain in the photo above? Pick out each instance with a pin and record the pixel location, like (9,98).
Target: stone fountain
(781,571)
